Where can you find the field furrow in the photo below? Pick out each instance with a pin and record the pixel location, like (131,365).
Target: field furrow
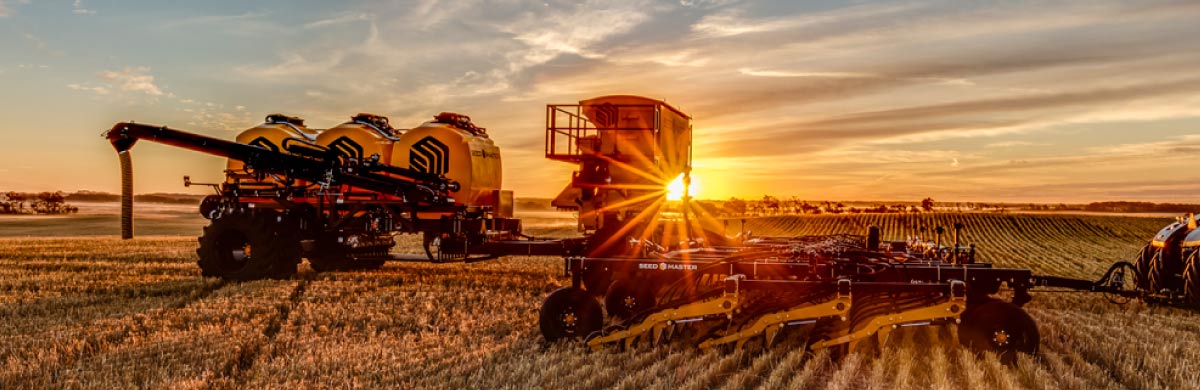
(105,313)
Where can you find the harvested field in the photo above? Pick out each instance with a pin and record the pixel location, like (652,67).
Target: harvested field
(104,313)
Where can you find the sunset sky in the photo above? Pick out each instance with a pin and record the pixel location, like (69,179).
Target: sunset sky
(971,101)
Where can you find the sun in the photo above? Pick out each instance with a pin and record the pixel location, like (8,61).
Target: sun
(675,190)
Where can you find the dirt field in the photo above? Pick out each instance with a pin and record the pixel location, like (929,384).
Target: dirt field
(97,312)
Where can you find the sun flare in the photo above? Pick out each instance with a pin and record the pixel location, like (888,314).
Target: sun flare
(675,190)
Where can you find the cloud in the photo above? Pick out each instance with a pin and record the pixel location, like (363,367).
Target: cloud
(1179,145)
(6,9)
(734,22)
(775,73)
(338,19)
(1001,105)
(79,9)
(801,94)
(573,32)
(132,79)
(704,3)
(99,90)
(1009,144)
(249,22)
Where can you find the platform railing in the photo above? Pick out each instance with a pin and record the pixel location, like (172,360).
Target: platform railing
(571,136)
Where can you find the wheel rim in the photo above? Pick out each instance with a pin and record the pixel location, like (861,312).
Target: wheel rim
(1124,283)
(569,320)
(630,302)
(1000,338)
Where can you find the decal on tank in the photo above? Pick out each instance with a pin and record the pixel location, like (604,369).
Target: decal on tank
(430,156)
(348,148)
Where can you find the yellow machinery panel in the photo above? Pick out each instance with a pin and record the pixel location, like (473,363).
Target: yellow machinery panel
(451,145)
(629,148)
(272,135)
(365,135)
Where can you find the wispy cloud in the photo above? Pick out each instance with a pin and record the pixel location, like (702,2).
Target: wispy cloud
(1186,144)
(127,82)
(206,20)
(338,19)
(79,9)
(936,98)
(132,79)
(96,89)
(573,31)
(6,8)
(734,22)
(777,73)
(1009,144)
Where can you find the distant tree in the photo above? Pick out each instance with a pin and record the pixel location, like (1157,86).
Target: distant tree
(770,203)
(734,207)
(927,204)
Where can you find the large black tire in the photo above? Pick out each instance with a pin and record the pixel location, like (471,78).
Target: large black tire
(1000,327)
(569,313)
(250,245)
(1191,279)
(1163,271)
(1142,265)
(627,297)
(328,257)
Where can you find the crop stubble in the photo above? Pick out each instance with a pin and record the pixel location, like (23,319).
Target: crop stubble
(99,312)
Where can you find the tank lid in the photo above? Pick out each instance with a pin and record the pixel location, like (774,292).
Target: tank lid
(281,118)
(377,122)
(460,121)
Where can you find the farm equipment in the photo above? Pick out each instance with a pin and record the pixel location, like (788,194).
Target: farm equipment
(1169,265)
(337,197)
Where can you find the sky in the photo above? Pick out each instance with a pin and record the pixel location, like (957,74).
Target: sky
(1047,101)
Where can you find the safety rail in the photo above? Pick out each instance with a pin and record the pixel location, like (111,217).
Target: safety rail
(572,137)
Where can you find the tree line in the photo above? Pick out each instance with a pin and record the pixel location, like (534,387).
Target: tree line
(13,202)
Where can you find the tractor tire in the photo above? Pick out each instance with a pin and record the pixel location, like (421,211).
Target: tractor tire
(1162,273)
(250,245)
(1191,280)
(569,313)
(1142,267)
(628,297)
(1000,327)
(330,257)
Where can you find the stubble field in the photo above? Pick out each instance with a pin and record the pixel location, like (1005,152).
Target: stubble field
(98,312)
